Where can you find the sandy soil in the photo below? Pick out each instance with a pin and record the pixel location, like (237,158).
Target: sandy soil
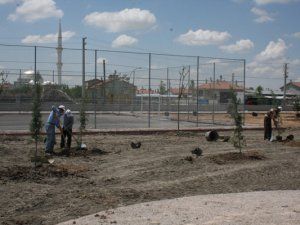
(163,168)
(288,119)
(260,207)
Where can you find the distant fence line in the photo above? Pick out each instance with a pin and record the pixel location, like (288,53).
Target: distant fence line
(125,81)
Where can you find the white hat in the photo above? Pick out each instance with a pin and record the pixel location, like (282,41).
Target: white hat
(61,107)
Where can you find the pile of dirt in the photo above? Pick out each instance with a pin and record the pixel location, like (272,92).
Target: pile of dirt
(98,151)
(236,157)
(6,138)
(293,143)
(25,173)
(55,95)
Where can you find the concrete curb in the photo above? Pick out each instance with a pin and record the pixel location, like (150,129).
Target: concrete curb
(140,131)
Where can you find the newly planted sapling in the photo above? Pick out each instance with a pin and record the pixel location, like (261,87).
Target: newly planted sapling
(237,139)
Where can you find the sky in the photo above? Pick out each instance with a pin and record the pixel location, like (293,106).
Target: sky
(266,33)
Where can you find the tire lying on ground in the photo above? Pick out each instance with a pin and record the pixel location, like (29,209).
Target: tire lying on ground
(212,135)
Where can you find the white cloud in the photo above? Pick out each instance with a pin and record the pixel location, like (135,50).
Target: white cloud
(33,10)
(296,35)
(273,51)
(2,2)
(268,63)
(49,38)
(265,2)
(124,40)
(239,46)
(262,15)
(127,19)
(203,37)
(295,62)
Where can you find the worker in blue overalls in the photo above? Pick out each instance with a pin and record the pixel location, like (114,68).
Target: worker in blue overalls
(52,122)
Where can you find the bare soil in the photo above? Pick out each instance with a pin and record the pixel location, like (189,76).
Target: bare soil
(289,119)
(111,174)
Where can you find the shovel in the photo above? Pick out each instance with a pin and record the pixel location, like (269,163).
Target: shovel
(80,145)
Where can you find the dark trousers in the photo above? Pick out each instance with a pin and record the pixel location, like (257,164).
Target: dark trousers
(67,133)
(268,128)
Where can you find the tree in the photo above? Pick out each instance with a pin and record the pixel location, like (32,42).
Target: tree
(3,77)
(36,121)
(238,138)
(274,101)
(192,88)
(182,74)
(258,91)
(82,118)
(162,88)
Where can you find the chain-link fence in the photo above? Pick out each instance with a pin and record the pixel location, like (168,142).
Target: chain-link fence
(121,89)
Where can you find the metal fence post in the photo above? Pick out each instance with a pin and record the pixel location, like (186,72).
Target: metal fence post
(244,83)
(83,68)
(198,58)
(168,90)
(188,91)
(35,80)
(95,92)
(149,94)
(214,92)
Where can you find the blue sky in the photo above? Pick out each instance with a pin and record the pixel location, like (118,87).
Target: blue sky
(264,32)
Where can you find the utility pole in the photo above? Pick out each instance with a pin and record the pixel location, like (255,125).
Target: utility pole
(285,76)
(83,67)
(59,50)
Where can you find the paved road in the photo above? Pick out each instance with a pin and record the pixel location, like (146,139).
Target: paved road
(103,121)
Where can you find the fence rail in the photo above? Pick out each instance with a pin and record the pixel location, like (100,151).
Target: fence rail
(152,85)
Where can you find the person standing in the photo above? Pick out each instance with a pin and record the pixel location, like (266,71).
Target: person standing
(269,116)
(67,129)
(52,122)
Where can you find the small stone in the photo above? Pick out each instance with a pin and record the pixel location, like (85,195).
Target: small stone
(103,217)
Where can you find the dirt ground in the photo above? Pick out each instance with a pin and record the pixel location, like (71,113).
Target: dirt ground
(288,119)
(114,174)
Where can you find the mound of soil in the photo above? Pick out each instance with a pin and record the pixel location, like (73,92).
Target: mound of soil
(236,157)
(5,138)
(25,173)
(98,151)
(293,143)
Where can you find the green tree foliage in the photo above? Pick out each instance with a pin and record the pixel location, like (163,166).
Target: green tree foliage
(3,78)
(36,121)
(73,92)
(162,88)
(274,101)
(258,93)
(192,87)
(238,140)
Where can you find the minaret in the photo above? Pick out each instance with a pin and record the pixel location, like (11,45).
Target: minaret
(59,53)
